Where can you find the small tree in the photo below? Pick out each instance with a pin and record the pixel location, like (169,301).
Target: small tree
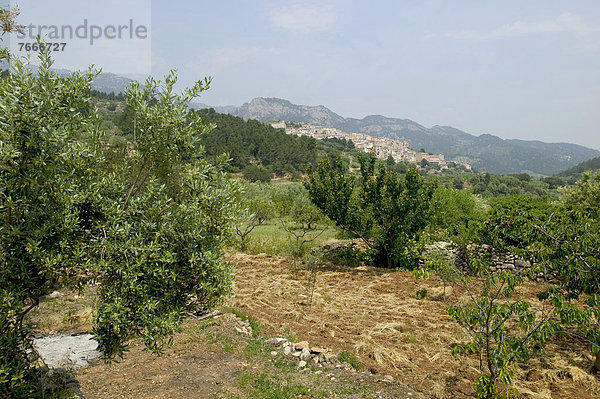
(169,212)
(502,330)
(304,225)
(256,173)
(564,242)
(386,210)
(256,212)
(585,194)
(149,228)
(570,248)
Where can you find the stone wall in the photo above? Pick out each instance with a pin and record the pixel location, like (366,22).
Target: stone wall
(501,261)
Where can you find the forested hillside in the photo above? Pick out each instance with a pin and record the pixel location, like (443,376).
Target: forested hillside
(576,171)
(252,142)
(251,146)
(485,152)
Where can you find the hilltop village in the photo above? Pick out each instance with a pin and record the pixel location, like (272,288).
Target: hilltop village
(383,147)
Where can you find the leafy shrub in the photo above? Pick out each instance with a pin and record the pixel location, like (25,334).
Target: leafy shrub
(256,173)
(149,228)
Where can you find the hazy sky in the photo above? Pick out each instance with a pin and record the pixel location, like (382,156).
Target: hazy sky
(516,69)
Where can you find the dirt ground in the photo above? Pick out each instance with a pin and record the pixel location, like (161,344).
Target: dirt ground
(190,369)
(211,360)
(376,314)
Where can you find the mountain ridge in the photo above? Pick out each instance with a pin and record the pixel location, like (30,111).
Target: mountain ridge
(485,152)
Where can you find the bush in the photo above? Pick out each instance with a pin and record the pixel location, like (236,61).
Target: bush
(255,173)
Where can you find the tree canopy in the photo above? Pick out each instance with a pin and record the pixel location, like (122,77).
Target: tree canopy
(147,225)
(386,210)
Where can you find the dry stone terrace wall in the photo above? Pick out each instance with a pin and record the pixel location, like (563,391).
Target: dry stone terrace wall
(501,261)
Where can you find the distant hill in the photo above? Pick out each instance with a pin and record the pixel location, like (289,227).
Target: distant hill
(486,152)
(592,164)
(109,82)
(105,82)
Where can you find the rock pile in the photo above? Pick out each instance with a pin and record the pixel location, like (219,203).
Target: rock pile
(305,354)
(243,327)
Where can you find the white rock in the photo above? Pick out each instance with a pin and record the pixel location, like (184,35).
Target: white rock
(68,351)
(302,364)
(277,341)
(305,354)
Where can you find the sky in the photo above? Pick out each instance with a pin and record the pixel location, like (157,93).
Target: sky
(515,69)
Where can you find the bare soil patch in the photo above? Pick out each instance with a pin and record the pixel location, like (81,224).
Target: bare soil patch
(209,359)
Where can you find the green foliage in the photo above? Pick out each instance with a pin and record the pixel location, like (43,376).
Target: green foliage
(351,255)
(45,186)
(346,356)
(256,173)
(304,224)
(488,185)
(453,211)
(577,170)
(562,240)
(384,209)
(168,213)
(569,246)
(249,142)
(339,144)
(437,264)
(584,194)
(256,211)
(267,386)
(8,24)
(502,330)
(421,293)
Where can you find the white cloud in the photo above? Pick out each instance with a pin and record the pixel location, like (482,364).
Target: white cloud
(564,23)
(304,18)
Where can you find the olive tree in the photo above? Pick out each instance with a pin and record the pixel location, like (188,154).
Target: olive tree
(46,177)
(148,228)
(168,214)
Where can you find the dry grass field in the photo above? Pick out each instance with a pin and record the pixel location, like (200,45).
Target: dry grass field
(375,313)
